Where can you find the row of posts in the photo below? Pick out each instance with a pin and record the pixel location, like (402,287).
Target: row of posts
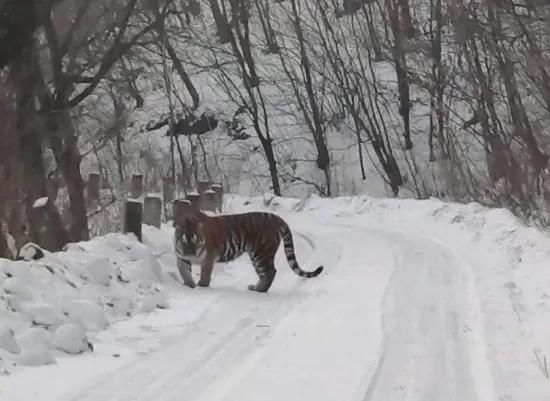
(138,210)
(207,197)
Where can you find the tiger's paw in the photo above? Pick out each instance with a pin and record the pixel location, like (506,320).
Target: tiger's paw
(190,285)
(204,284)
(251,287)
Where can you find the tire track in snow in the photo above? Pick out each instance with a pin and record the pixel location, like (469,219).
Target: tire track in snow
(432,343)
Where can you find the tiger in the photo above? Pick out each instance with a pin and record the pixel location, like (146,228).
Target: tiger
(204,239)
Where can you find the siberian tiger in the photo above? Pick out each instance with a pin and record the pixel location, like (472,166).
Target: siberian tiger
(204,239)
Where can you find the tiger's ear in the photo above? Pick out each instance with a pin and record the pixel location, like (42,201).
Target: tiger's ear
(199,225)
(189,222)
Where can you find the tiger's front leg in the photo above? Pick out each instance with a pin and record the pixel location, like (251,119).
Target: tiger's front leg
(184,267)
(206,270)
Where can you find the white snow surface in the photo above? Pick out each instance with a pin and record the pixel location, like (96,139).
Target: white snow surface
(419,300)
(40,202)
(70,338)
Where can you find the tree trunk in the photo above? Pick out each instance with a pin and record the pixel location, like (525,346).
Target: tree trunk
(221,23)
(272,163)
(374,35)
(317,127)
(406,19)
(4,248)
(400,70)
(63,143)
(25,78)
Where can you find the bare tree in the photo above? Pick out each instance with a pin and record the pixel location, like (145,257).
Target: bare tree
(251,100)
(309,103)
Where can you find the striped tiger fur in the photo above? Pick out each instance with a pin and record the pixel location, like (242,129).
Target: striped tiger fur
(204,240)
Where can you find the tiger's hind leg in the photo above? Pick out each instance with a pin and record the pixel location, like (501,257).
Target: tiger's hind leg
(265,269)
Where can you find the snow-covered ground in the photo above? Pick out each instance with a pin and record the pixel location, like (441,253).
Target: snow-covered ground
(419,300)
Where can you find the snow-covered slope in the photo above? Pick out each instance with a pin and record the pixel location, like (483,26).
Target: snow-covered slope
(55,305)
(419,300)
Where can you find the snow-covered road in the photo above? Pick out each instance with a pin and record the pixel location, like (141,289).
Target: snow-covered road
(395,316)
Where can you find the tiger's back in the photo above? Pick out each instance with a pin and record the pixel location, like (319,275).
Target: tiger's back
(253,233)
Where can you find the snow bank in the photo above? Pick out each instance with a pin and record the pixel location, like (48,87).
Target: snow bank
(58,303)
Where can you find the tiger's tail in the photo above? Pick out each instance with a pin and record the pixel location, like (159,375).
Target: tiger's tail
(288,243)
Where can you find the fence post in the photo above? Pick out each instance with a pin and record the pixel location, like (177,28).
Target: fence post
(133,215)
(218,189)
(209,201)
(136,189)
(202,187)
(195,200)
(181,208)
(152,210)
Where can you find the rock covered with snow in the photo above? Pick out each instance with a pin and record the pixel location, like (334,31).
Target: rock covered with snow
(7,339)
(17,288)
(86,312)
(154,300)
(35,337)
(45,315)
(31,251)
(36,356)
(70,338)
(100,270)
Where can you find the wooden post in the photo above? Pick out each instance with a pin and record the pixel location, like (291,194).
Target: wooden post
(218,189)
(202,187)
(133,215)
(92,190)
(152,210)
(209,201)
(195,200)
(136,189)
(181,208)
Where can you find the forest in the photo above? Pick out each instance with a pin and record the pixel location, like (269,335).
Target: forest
(402,98)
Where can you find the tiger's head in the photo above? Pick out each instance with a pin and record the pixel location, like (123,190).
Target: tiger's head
(188,236)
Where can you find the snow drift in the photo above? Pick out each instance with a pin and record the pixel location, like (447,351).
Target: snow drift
(57,303)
